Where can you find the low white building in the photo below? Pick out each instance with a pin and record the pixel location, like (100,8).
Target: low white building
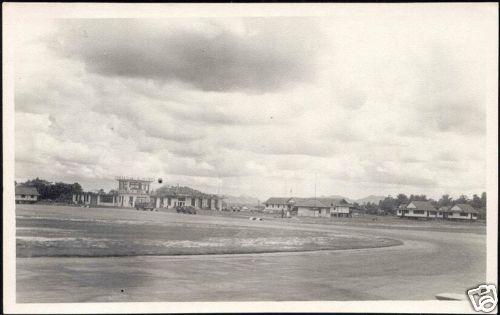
(418,209)
(26,194)
(424,209)
(323,207)
(461,212)
(172,197)
(312,208)
(279,204)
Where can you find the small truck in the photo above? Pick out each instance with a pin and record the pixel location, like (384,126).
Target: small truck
(145,206)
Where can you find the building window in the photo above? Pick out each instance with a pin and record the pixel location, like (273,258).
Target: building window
(432,212)
(23,196)
(107,199)
(418,211)
(463,214)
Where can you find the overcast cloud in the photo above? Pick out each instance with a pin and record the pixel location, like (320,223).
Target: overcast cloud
(257,106)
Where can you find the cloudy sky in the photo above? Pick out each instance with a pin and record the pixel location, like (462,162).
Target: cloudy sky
(366,104)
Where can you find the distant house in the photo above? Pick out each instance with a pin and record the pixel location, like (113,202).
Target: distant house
(443,210)
(323,207)
(278,204)
(424,209)
(312,208)
(26,194)
(461,212)
(418,209)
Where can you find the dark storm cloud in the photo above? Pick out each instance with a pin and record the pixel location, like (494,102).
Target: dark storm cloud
(268,56)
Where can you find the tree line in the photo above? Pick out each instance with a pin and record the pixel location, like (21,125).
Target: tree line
(58,191)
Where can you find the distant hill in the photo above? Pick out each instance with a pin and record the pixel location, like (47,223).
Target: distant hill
(341,197)
(371,198)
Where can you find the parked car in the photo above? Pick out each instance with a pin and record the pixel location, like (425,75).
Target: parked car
(186,209)
(145,206)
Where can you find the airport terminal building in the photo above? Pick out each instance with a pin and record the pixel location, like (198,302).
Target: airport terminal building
(133,191)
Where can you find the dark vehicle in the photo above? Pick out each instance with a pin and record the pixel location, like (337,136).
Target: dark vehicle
(186,209)
(145,206)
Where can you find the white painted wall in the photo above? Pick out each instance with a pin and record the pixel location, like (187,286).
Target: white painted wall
(456,215)
(30,198)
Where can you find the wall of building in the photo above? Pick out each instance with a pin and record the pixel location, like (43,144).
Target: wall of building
(457,216)
(197,202)
(341,210)
(438,214)
(26,198)
(309,212)
(275,207)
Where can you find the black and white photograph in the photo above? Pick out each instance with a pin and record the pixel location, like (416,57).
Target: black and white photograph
(250,157)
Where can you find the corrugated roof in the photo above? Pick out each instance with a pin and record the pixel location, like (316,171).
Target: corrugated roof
(313,203)
(309,202)
(321,202)
(444,208)
(423,205)
(26,190)
(277,201)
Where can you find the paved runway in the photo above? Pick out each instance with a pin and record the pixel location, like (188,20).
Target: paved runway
(428,263)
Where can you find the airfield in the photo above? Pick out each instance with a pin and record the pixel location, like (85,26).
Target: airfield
(72,254)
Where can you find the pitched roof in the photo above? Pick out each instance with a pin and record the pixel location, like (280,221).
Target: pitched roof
(321,202)
(277,200)
(311,202)
(423,205)
(26,190)
(444,208)
(464,208)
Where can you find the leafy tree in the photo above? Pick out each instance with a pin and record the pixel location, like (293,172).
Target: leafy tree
(401,199)
(371,208)
(41,185)
(418,198)
(476,202)
(59,191)
(445,201)
(483,200)
(389,204)
(462,199)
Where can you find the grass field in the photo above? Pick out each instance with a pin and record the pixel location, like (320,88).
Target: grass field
(120,255)
(48,231)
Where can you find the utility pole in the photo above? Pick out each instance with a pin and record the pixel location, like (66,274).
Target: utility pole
(315,188)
